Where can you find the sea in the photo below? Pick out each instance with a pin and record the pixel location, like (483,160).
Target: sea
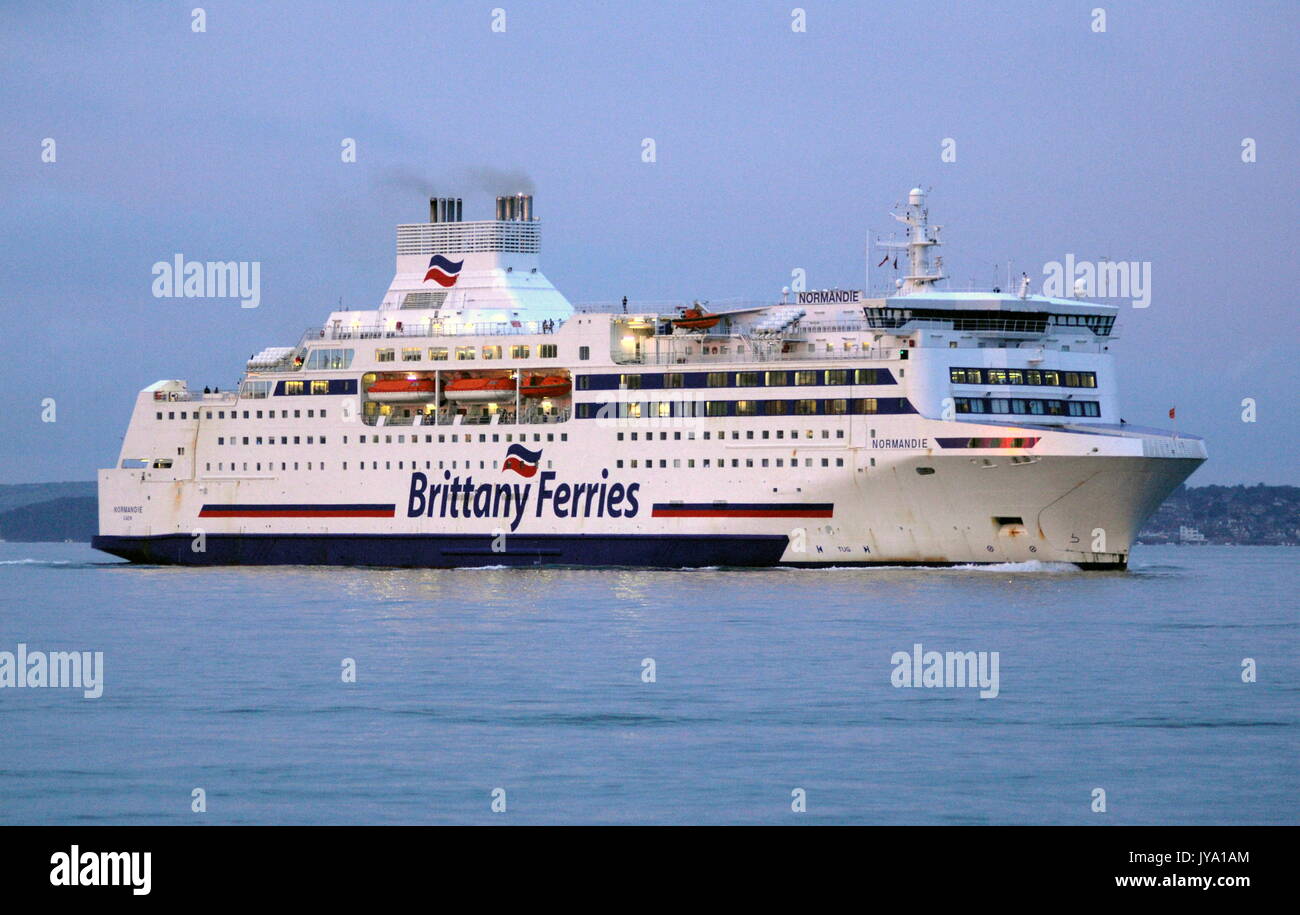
(1167,694)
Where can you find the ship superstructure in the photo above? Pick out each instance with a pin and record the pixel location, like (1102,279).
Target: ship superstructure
(476,417)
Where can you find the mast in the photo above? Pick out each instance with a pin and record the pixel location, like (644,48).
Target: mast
(921,237)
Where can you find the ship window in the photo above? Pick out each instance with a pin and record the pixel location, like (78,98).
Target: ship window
(802,378)
(385,355)
(805,408)
(866,376)
(464,352)
(411,353)
(997,376)
(631,382)
(584,352)
(777,379)
(491,352)
(837,376)
(329,359)
(715,408)
(838,405)
(1090,408)
(547,350)
(674,380)
(717,379)
(158,416)
(1033,377)
(747,379)
(519,351)
(747,408)
(775,407)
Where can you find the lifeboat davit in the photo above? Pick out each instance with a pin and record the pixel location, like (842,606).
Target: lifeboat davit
(550,386)
(402,390)
(696,318)
(479,390)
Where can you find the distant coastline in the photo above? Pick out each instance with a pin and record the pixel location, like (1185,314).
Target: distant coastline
(1242,515)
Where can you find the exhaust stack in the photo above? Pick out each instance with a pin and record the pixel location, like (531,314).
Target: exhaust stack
(515,208)
(444,209)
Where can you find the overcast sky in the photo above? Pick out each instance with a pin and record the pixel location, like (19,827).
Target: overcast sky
(775,150)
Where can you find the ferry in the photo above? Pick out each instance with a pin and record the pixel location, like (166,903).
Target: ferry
(477,417)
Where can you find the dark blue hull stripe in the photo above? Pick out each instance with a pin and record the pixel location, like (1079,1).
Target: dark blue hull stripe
(432,551)
(663,551)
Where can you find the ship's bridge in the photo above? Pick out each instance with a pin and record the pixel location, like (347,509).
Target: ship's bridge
(458,274)
(996,312)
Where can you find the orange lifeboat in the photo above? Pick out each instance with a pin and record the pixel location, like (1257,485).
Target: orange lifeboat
(550,386)
(479,390)
(397,390)
(696,318)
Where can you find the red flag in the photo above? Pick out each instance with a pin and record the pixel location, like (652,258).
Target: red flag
(1171,412)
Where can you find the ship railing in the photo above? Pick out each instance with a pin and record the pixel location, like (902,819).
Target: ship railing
(195,397)
(669,307)
(352,332)
(755,356)
(445,419)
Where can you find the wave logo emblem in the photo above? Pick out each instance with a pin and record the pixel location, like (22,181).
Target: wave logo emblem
(521,460)
(442,271)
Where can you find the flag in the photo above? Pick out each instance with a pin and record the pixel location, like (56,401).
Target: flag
(1171,412)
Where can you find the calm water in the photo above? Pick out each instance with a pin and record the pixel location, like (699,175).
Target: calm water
(767,681)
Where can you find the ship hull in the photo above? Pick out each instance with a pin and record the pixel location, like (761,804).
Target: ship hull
(1083,510)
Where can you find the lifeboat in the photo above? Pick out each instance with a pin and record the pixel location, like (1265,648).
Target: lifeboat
(479,390)
(401,390)
(550,386)
(696,318)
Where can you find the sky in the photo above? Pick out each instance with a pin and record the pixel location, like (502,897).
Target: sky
(775,149)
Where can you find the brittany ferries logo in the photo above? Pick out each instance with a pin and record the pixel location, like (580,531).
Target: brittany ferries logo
(455,497)
(442,271)
(521,460)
